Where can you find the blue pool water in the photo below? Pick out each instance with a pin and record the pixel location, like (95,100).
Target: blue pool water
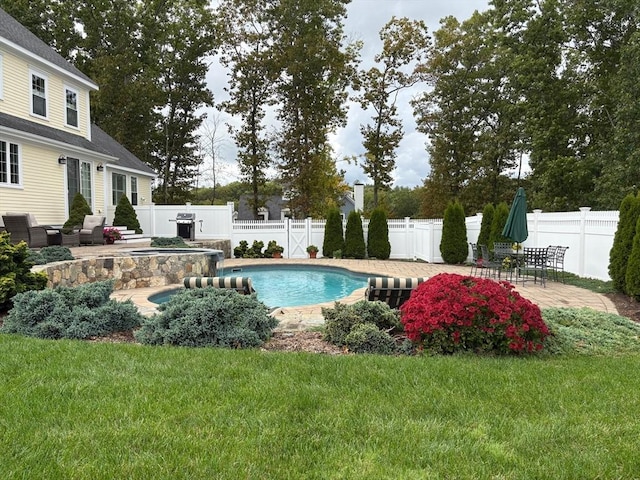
(292,285)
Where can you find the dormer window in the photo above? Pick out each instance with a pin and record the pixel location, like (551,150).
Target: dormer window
(71,103)
(38,95)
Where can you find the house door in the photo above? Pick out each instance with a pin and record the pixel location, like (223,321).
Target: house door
(78,180)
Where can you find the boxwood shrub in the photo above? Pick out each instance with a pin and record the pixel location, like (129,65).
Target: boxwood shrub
(209,317)
(70,312)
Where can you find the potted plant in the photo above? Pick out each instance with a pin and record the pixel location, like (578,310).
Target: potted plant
(312,250)
(111,234)
(273,250)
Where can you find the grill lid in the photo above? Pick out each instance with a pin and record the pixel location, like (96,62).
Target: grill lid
(185,217)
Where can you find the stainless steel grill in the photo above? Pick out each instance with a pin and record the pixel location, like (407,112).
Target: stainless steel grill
(186,223)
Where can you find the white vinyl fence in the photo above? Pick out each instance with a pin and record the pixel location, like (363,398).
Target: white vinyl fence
(589,235)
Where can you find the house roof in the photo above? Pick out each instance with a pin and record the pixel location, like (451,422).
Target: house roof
(101,142)
(16,33)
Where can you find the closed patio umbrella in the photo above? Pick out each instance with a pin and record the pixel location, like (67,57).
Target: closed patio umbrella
(516,226)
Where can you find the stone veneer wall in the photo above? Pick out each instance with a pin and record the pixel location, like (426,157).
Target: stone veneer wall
(131,271)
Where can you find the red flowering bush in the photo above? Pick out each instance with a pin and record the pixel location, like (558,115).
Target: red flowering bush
(451,312)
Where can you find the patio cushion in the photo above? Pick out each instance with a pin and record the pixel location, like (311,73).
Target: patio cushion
(394,291)
(239,284)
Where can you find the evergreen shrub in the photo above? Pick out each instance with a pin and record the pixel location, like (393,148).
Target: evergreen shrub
(77,211)
(209,317)
(450,313)
(165,242)
(632,276)
(378,244)
(453,245)
(71,312)
(367,338)
(354,246)
(15,271)
(623,241)
(498,222)
(340,320)
(54,253)
(126,215)
(333,235)
(485,226)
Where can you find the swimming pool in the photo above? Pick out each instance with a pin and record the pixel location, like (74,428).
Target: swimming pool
(292,285)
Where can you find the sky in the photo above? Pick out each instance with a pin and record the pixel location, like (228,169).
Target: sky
(364,20)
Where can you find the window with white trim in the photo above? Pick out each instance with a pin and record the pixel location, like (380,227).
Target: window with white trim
(71,106)
(85,182)
(134,190)
(9,163)
(38,94)
(118,187)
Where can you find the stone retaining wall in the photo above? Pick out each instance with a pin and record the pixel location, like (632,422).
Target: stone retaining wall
(131,271)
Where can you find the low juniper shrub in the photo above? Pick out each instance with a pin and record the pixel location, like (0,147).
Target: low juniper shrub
(340,320)
(54,253)
(209,317)
(70,312)
(368,338)
(163,242)
(450,313)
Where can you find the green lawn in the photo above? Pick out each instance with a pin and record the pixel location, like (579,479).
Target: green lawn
(79,410)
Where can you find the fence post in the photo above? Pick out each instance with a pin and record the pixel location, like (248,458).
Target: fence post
(409,239)
(432,241)
(536,217)
(583,232)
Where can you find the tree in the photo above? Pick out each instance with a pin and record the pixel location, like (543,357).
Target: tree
(378,245)
(404,43)
(453,245)
(246,48)
(632,276)
(211,141)
(314,72)
(354,246)
(333,237)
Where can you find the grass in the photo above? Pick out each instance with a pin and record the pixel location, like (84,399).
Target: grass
(71,409)
(592,284)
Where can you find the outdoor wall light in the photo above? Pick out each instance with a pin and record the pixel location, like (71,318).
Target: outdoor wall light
(100,167)
(62,160)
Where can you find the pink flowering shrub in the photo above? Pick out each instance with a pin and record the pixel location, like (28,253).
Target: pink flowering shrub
(451,312)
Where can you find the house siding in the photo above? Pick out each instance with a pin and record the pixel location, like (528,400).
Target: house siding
(17,95)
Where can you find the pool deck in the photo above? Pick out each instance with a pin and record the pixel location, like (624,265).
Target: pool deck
(300,318)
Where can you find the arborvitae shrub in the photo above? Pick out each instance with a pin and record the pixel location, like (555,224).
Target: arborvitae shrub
(15,271)
(451,312)
(485,226)
(497,225)
(354,246)
(378,244)
(453,245)
(64,312)
(126,215)
(367,338)
(77,211)
(333,236)
(623,241)
(632,284)
(209,317)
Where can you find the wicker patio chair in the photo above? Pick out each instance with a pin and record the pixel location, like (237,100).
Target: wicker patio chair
(91,232)
(394,291)
(20,228)
(241,285)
